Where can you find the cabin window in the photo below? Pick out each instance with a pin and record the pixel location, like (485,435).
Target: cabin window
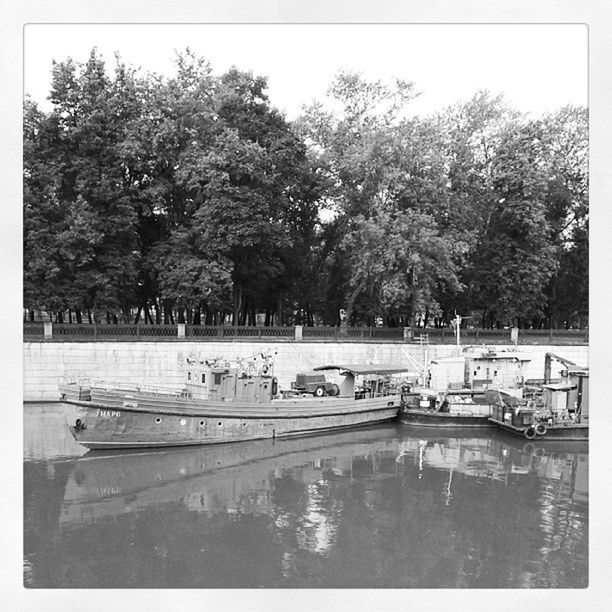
(217,379)
(188,375)
(158,420)
(495,373)
(203,378)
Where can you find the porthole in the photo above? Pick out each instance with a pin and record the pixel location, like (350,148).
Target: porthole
(201,423)
(219,423)
(183,422)
(244,424)
(158,420)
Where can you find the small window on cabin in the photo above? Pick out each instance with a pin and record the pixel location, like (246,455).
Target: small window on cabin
(475,373)
(495,373)
(188,375)
(203,378)
(217,379)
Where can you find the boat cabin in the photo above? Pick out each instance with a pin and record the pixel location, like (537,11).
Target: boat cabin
(207,381)
(570,397)
(446,373)
(495,370)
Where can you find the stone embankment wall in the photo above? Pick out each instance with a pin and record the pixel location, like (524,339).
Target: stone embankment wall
(161,363)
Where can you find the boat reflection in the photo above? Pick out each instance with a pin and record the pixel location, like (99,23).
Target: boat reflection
(239,478)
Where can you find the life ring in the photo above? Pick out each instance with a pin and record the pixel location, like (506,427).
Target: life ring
(540,429)
(530,433)
(529,448)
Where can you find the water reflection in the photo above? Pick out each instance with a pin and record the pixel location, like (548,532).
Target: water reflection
(387,506)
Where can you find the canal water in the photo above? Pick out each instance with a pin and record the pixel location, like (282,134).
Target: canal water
(384,506)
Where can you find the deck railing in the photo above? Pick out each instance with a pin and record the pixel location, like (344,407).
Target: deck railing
(81,332)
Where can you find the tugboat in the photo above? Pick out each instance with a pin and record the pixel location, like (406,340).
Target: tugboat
(562,414)
(461,391)
(228,402)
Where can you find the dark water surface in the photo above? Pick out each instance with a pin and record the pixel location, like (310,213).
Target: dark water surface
(384,506)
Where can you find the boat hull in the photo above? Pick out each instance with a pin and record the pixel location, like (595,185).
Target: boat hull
(559,432)
(429,418)
(145,421)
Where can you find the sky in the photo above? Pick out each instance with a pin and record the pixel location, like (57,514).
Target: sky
(538,68)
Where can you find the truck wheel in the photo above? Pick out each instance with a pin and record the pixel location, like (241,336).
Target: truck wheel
(335,390)
(319,392)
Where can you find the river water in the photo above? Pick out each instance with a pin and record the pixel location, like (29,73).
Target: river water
(383,506)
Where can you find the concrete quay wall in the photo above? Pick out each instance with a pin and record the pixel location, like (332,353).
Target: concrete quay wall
(161,363)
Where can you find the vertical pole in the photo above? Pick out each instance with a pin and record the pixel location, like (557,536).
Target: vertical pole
(458,333)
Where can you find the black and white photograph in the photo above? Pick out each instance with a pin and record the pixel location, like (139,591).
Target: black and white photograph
(305,310)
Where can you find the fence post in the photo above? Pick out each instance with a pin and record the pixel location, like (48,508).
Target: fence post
(298,333)
(48,327)
(181,330)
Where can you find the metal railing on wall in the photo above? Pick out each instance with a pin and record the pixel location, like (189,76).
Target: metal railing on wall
(75,332)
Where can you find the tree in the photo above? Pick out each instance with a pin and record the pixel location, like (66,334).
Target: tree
(516,259)
(87,210)
(389,188)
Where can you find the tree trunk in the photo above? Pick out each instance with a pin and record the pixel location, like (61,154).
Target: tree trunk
(352,298)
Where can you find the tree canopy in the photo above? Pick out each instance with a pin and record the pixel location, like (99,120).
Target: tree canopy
(191,197)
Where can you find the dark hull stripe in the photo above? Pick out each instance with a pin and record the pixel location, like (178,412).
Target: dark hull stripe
(576,432)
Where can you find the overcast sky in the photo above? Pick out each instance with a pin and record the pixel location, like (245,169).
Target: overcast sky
(538,68)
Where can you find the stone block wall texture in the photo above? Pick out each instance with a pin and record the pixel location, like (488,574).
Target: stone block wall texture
(161,363)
